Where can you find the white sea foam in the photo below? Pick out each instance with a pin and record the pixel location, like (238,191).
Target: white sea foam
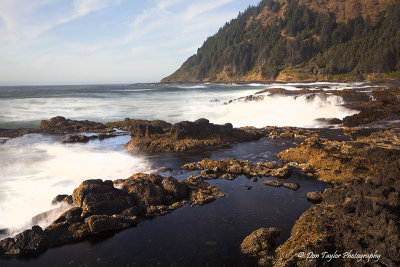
(36,168)
(33,174)
(282,111)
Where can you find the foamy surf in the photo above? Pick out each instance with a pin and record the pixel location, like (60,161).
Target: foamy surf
(165,102)
(276,110)
(32,175)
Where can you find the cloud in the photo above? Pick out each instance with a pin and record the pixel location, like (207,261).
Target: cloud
(22,20)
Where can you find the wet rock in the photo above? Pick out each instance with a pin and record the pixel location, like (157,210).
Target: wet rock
(98,197)
(130,124)
(59,125)
(102,207)
(315,197)
(283,172)
(202,192)
(66,232)
(29,242)
(164,169)
(103,136)
(103,223)
(274,183)
(44,216)
(71,216)
(291,186)
(260,244)
(185,136)
(62,199)
(79,139)
(177,189)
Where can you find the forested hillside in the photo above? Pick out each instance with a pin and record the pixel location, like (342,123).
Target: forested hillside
(301,40)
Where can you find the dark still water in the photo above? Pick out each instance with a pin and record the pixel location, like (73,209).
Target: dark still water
(200,235)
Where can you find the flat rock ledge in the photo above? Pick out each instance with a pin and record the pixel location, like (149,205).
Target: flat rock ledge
(230,168)
(103,206)
(358,215)
(186,136)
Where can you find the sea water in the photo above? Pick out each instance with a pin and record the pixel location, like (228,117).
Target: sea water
(35,168)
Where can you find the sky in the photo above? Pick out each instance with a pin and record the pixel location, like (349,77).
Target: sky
(104,41)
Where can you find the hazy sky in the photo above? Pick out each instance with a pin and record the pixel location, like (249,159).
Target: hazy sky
(104,41)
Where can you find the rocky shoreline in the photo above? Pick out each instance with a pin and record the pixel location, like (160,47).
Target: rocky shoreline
(359,212)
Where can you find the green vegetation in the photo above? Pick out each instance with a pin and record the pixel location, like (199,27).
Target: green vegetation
(301,41)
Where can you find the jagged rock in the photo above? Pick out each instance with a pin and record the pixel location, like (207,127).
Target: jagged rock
(98,197)
(292,186)
(103,223)
(185,136)
(79,139)
(29,242)
(62,199)
(260,244)
(202,192)
(274,183)
(283,172)
(101,207)
(315,197)
(60,124)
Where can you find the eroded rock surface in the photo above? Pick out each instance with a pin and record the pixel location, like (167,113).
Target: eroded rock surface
(260,244)
(185,136)
(102,206)
(61,125)
(230,168)
(359,214)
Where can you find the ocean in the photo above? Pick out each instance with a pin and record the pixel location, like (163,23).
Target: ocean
(35,168)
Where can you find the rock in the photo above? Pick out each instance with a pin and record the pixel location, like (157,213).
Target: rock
(103,223)
(260,244)
(178,190)
(202,192)
(274,183)
(147,190)
(292,186)
(103,136)
(98,197)
(66,232)
(45,216)
(283,172)
(71,216)
(130,124)
(164,169)
(29,242)
(101,207)
(62,199)
(185,136)
(79,139)
(58,125)
(315,197)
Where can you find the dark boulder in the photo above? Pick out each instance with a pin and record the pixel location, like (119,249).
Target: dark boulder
(29,242)
(315,197)
(98,197)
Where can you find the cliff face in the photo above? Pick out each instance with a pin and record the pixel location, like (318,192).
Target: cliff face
(301,40)
(344,10)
